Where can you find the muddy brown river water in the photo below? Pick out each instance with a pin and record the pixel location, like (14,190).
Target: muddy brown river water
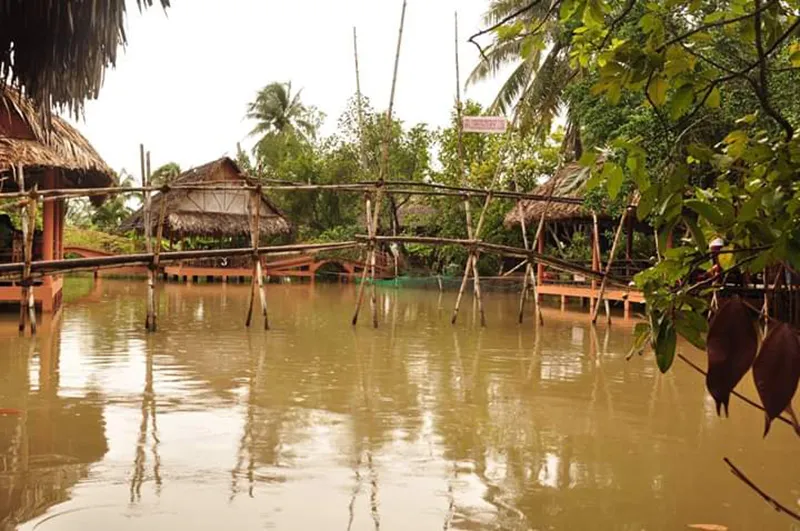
(315,425)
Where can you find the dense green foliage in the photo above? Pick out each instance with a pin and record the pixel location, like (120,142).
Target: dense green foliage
(693,105)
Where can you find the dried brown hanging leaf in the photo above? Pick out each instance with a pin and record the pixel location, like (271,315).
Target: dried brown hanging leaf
(777,370)
(731,345)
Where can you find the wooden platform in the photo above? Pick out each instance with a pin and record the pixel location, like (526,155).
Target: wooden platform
(590,293)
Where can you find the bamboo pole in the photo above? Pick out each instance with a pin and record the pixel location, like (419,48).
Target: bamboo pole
(360,114)
(432,189)
(360,295)
(608,265)
(148,232)
(26,272)
(384,168)
(505,250)
(472,259)
(262,291)
(14,271)
(599,260)
(257,281)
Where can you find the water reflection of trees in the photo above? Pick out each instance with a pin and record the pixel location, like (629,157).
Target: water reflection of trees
(528,425)
(47,442)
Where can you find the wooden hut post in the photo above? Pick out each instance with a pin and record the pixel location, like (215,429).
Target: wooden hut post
(149,323)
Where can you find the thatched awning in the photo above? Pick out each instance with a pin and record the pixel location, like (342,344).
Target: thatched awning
(211,213)
(24,141)
(58,51)
(568,181)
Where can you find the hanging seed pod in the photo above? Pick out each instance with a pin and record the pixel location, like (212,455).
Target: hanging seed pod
(731,345)
(777,371)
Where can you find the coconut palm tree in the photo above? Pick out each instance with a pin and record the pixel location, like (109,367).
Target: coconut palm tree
(535,44)
(165,174)
(276,110)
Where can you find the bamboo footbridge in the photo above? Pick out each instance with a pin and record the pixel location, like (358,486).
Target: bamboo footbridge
(27,271)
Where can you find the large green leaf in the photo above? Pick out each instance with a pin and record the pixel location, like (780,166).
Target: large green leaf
(706,210)
(666,343)
(614,177)
(658,90)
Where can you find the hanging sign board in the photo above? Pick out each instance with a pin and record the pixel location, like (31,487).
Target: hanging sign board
(484,124)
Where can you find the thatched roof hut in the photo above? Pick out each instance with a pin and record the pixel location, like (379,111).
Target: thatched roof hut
(210,212)
(24,141)
(568,181)
(57,51)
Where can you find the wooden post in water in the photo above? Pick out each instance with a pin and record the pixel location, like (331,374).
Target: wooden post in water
(257,282)
(383,172)
(472,259)
(28,219)
(360,295)
(149,323)
(24,219)
(157,253)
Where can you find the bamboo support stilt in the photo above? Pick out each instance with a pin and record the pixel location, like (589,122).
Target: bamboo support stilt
(384,168)
(157,256)
(467,269)
(149,323)
(599,259)
(257,282)
(29,229)
(360,114)
(611,256)
(26,272)
(360,295)
(529,274)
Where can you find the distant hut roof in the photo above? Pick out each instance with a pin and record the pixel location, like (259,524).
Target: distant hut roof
(568,181)
(24,141)
(415,213)
(210,212)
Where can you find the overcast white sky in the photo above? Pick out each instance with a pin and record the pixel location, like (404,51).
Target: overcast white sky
(182,84)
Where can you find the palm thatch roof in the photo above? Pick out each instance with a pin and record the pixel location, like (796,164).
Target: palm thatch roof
(24,141)
(568,181)
(212,213)
(415,213)
(57,51)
